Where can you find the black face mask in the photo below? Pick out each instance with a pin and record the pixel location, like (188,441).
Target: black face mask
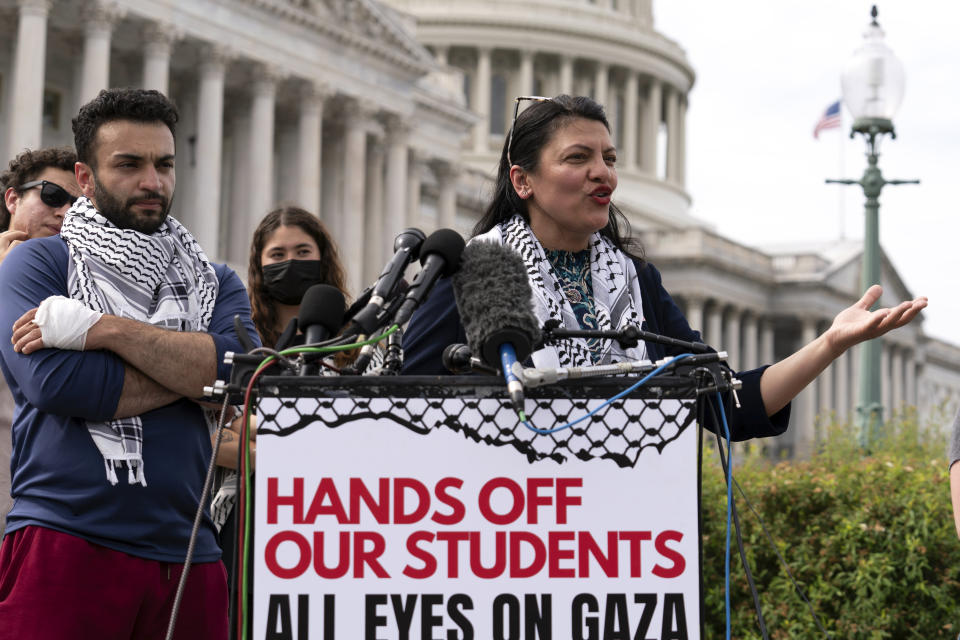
(287,281)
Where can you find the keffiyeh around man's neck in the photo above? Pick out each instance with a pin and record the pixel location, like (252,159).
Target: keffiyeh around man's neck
(163,279)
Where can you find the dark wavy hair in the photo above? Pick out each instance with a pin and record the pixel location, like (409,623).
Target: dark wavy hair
(533,130)
(263,307)
(110,105)
(27,166)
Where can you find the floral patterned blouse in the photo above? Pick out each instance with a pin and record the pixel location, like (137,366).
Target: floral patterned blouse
(573,273)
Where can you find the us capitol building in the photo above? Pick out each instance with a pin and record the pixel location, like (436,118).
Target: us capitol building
(379,115)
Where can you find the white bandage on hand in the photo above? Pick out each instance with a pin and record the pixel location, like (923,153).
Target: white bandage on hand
(64,322)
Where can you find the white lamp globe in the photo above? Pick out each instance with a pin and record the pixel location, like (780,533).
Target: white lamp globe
(873,79)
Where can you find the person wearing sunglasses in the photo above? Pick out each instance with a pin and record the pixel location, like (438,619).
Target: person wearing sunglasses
(38,188)
(26,213)
(553,203)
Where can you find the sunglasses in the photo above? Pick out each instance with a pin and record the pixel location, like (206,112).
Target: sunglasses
(51,194)
(516,112)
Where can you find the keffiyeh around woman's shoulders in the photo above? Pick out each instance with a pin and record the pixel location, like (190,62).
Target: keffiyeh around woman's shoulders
(617,300)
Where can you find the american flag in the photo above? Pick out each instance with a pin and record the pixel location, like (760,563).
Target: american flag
(829,120)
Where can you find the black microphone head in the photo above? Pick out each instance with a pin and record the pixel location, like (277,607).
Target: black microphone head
(409,239)
(456,358)
(322,305)
(495,301)
(446,243)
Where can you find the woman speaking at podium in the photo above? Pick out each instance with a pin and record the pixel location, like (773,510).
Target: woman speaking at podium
(552,203)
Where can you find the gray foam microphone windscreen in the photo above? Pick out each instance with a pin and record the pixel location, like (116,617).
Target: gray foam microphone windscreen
(495,301)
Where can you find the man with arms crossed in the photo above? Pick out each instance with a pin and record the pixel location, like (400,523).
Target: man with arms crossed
(109,450)
(37,189)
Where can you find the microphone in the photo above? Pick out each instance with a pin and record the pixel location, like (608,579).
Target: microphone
(494,299)
(439,256)
(321,316)
(406,247)
(459,359)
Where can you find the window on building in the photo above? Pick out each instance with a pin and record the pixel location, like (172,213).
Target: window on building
(52,99)
(498,102)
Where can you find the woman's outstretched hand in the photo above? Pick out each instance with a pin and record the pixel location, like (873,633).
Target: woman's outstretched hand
(781,382)
(857,323)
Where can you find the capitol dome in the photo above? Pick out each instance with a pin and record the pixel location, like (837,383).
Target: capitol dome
(607,49)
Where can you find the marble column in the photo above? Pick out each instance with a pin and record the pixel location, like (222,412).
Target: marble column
(715,327)
(652,117)
(397,139)
(158,40)
(842,385)
(767,354)
(695,314)
(751,342)
(414,180)
(354,195)
(910,378)
(310,146)
(896,378)
(854,365)
(682,142)
(262,134)
(886,399)
(731,340)
(601,84)
(631,90)
(205,222)
(481,92)
(673,134)
(447,175)
(238,125)
(566,75)
(331,173)
(25,122)
(805,404)
(375,223)
(99,19)
(526,72)
(441,53)
(826,402)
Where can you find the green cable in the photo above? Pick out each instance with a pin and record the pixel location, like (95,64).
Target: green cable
(247,522)
(330,349)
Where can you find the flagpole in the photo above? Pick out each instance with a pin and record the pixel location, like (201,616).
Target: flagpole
(840,192)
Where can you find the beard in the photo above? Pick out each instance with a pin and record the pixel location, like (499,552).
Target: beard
(121,213)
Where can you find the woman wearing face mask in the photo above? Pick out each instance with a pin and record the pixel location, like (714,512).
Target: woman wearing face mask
(290,252)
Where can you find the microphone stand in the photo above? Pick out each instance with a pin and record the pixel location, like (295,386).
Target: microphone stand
(628,337)
(535,377)
(393,360)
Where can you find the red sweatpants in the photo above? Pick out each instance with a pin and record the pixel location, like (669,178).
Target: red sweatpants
(56,586)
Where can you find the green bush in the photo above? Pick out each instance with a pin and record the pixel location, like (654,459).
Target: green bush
(869,539)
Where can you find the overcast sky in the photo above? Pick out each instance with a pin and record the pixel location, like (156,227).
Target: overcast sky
(765,72)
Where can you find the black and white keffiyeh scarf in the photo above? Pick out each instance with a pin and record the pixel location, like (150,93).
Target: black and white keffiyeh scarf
(163,279)
(616,292)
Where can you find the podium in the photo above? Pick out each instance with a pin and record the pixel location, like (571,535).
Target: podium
(420,507)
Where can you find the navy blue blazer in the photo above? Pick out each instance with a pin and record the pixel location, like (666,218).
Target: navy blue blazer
(437,324)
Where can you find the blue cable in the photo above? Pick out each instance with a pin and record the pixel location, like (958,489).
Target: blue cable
(632,387)
(726,576)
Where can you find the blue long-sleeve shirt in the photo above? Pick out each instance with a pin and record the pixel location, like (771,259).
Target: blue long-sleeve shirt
(58,478)
(437,323)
